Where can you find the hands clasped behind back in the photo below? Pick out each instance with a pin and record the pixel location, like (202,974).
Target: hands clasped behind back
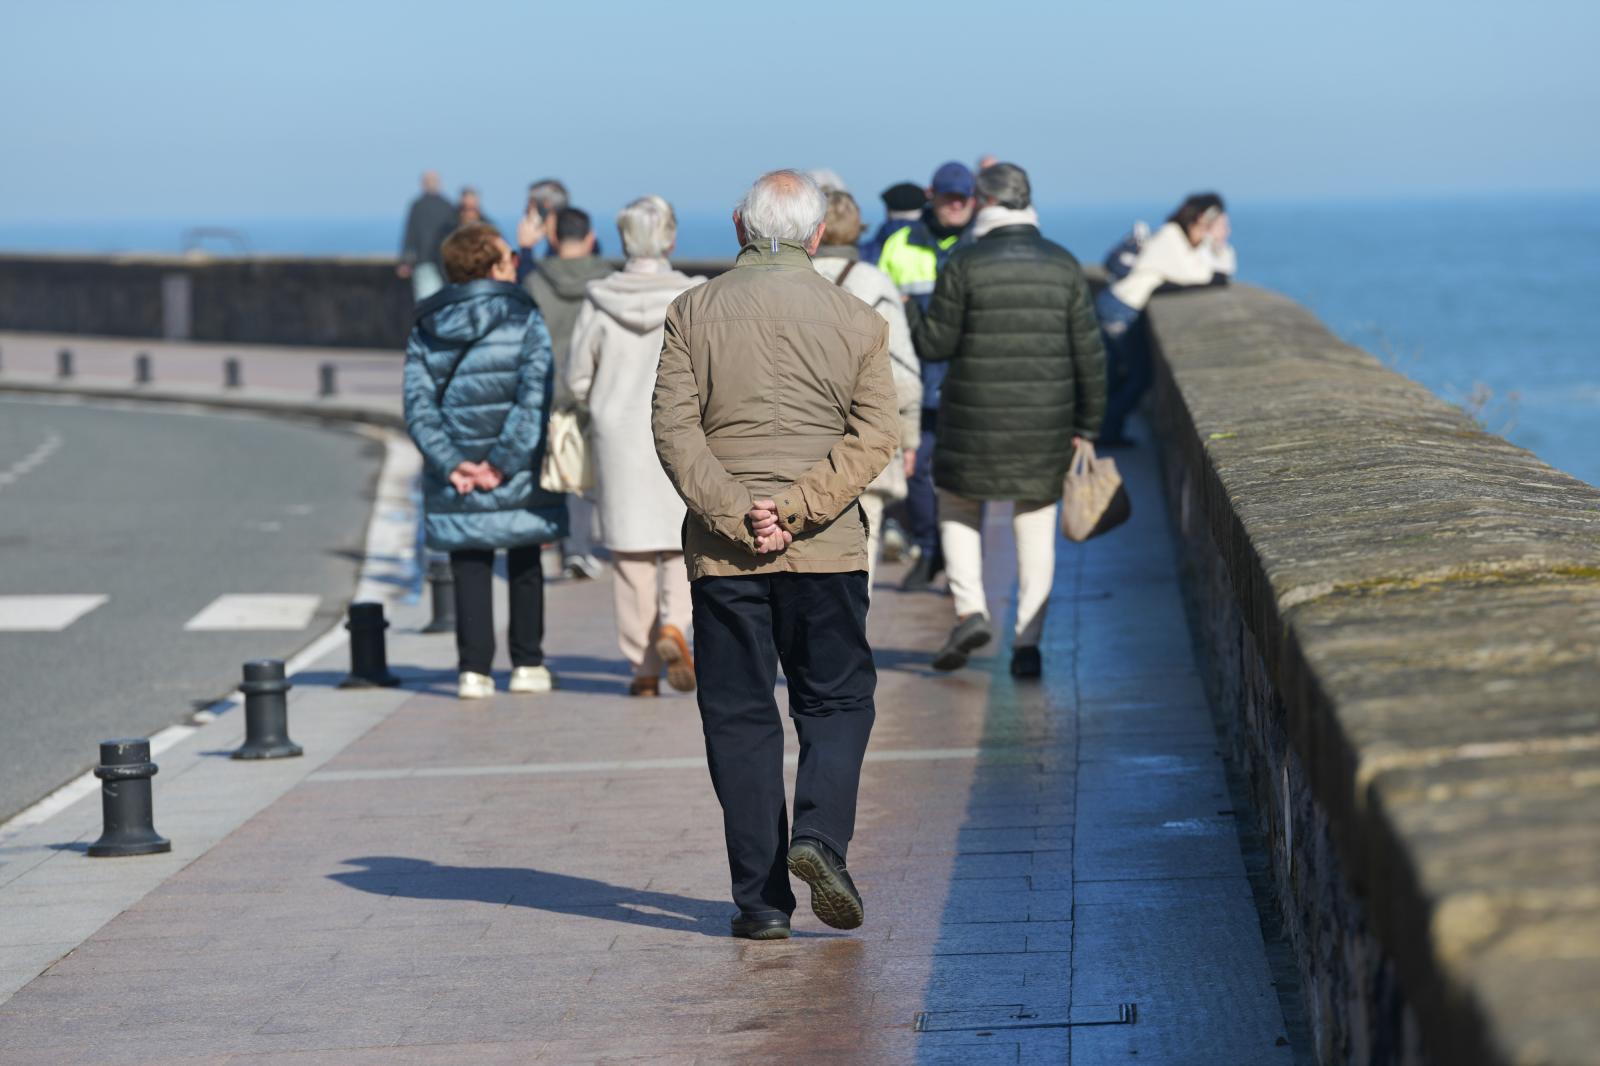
(770,536)
(469,476)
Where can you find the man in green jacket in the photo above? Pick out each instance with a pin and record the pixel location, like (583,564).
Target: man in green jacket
(1012,316)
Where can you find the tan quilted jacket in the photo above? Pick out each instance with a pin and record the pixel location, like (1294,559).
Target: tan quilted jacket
(773,383)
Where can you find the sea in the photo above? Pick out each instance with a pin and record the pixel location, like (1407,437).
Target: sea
(1491,302)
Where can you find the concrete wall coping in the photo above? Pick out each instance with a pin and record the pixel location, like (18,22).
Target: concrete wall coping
(1426,597)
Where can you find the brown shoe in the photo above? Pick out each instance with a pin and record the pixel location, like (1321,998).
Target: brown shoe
(645,686)
(674,651)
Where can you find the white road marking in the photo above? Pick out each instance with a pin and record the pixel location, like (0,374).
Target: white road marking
(44,614)
(692,762)
(255,612)
(32,461)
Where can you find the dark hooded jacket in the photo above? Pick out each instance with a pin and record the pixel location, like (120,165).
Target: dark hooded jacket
(478,387)
(557,286)
(1011,316)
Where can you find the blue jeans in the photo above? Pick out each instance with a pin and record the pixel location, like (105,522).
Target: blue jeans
(922,502)
(1128,370)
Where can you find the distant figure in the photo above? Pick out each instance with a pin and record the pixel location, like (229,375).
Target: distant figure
(429,220)
(612,373)
(774,409)
(903,204)
(827,179)
(469,210)
(839,261)
(547,198)
(1190,249)
(477,396)
(1013,319)
(913,257)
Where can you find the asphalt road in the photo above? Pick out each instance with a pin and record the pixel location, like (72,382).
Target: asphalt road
(160,511)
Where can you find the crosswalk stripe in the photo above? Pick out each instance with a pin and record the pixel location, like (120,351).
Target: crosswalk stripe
(257,612)
(44,614)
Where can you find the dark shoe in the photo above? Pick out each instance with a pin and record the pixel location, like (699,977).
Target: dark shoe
(970,634)
(834,898)
(928,566)
(645,686)
(1025,662)
(768,928)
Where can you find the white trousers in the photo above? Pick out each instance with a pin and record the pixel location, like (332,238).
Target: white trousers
(650,589)
(1033,523)
(872,504)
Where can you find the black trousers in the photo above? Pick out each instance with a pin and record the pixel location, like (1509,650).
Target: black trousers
(474,576)
(816,626)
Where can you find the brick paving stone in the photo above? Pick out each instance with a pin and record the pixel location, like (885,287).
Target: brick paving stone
(479,882)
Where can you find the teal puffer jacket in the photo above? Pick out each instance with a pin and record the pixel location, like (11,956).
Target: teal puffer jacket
(1012,316)
(477,387)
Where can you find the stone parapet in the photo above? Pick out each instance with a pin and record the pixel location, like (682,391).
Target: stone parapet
(1401,621)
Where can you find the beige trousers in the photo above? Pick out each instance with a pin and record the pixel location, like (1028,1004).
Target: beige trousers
(872,504)
(650,588)
(1034,525)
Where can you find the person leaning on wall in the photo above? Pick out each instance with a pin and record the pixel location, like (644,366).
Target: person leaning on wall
(1191,249)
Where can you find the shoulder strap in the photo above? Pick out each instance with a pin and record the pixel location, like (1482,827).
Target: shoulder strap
(845,273)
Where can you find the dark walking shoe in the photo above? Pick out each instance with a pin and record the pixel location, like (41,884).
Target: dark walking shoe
(771,927)
(834,898)
(1025,662)
(970,634)
(919,578)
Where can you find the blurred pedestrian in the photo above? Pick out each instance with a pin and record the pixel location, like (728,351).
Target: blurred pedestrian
(913,256)
(469,209)
(774,409)
(428,220)
(612,373)
(903,204)
(1013,320)
(839,260)
(1190,249)
(557,284)
(477,396)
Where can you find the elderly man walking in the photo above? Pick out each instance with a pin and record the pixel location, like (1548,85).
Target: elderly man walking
(1011,314)
(774,408)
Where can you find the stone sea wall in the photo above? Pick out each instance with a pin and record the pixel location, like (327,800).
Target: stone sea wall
(1400,620)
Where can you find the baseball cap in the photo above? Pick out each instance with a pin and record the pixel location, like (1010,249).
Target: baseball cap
(954,178)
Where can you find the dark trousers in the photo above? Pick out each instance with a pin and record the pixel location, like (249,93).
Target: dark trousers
(474,576)
(816,626)
(1128,370)
(922,501)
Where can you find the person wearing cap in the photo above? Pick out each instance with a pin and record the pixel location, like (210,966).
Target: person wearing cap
(903,204)
(912,257)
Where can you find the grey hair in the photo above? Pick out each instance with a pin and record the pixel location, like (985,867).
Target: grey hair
(783,205)
(827,179)
(1006,184)
(549,194)
(648,228)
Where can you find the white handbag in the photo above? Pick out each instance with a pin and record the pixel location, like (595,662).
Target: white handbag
(567,466)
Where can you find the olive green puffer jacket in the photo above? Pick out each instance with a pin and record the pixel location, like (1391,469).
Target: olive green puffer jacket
(1013,316)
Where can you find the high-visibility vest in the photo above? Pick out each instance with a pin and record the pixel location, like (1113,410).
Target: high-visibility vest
(912,263)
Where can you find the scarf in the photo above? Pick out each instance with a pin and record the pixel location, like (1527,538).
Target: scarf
(994,216)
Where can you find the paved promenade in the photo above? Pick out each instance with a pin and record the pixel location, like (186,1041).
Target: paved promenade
(1052,873)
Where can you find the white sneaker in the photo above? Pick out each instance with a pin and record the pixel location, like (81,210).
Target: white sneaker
(473,686)
(533,679)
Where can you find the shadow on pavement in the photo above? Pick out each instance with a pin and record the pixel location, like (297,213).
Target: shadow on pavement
(387,875)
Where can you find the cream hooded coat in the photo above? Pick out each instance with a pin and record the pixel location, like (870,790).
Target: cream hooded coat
(611,370)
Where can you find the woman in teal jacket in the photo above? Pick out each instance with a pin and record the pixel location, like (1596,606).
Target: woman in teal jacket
(478,380)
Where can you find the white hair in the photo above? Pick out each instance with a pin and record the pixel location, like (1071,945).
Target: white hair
(783,205)
(828,179)
(648,228)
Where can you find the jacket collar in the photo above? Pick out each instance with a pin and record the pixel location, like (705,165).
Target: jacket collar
(774,254)
(1020,229)
(467,290)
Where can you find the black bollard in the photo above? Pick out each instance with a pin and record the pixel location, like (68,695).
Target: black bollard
(125,771)
(443,583)
(326,385)
(266,712)
(231,376)
(141,369)
(369,659)
(64,363)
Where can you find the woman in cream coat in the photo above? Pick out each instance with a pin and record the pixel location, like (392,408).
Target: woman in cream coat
(611,371)
(839,261)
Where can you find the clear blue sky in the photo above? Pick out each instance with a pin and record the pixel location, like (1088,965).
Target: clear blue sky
(192,111)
